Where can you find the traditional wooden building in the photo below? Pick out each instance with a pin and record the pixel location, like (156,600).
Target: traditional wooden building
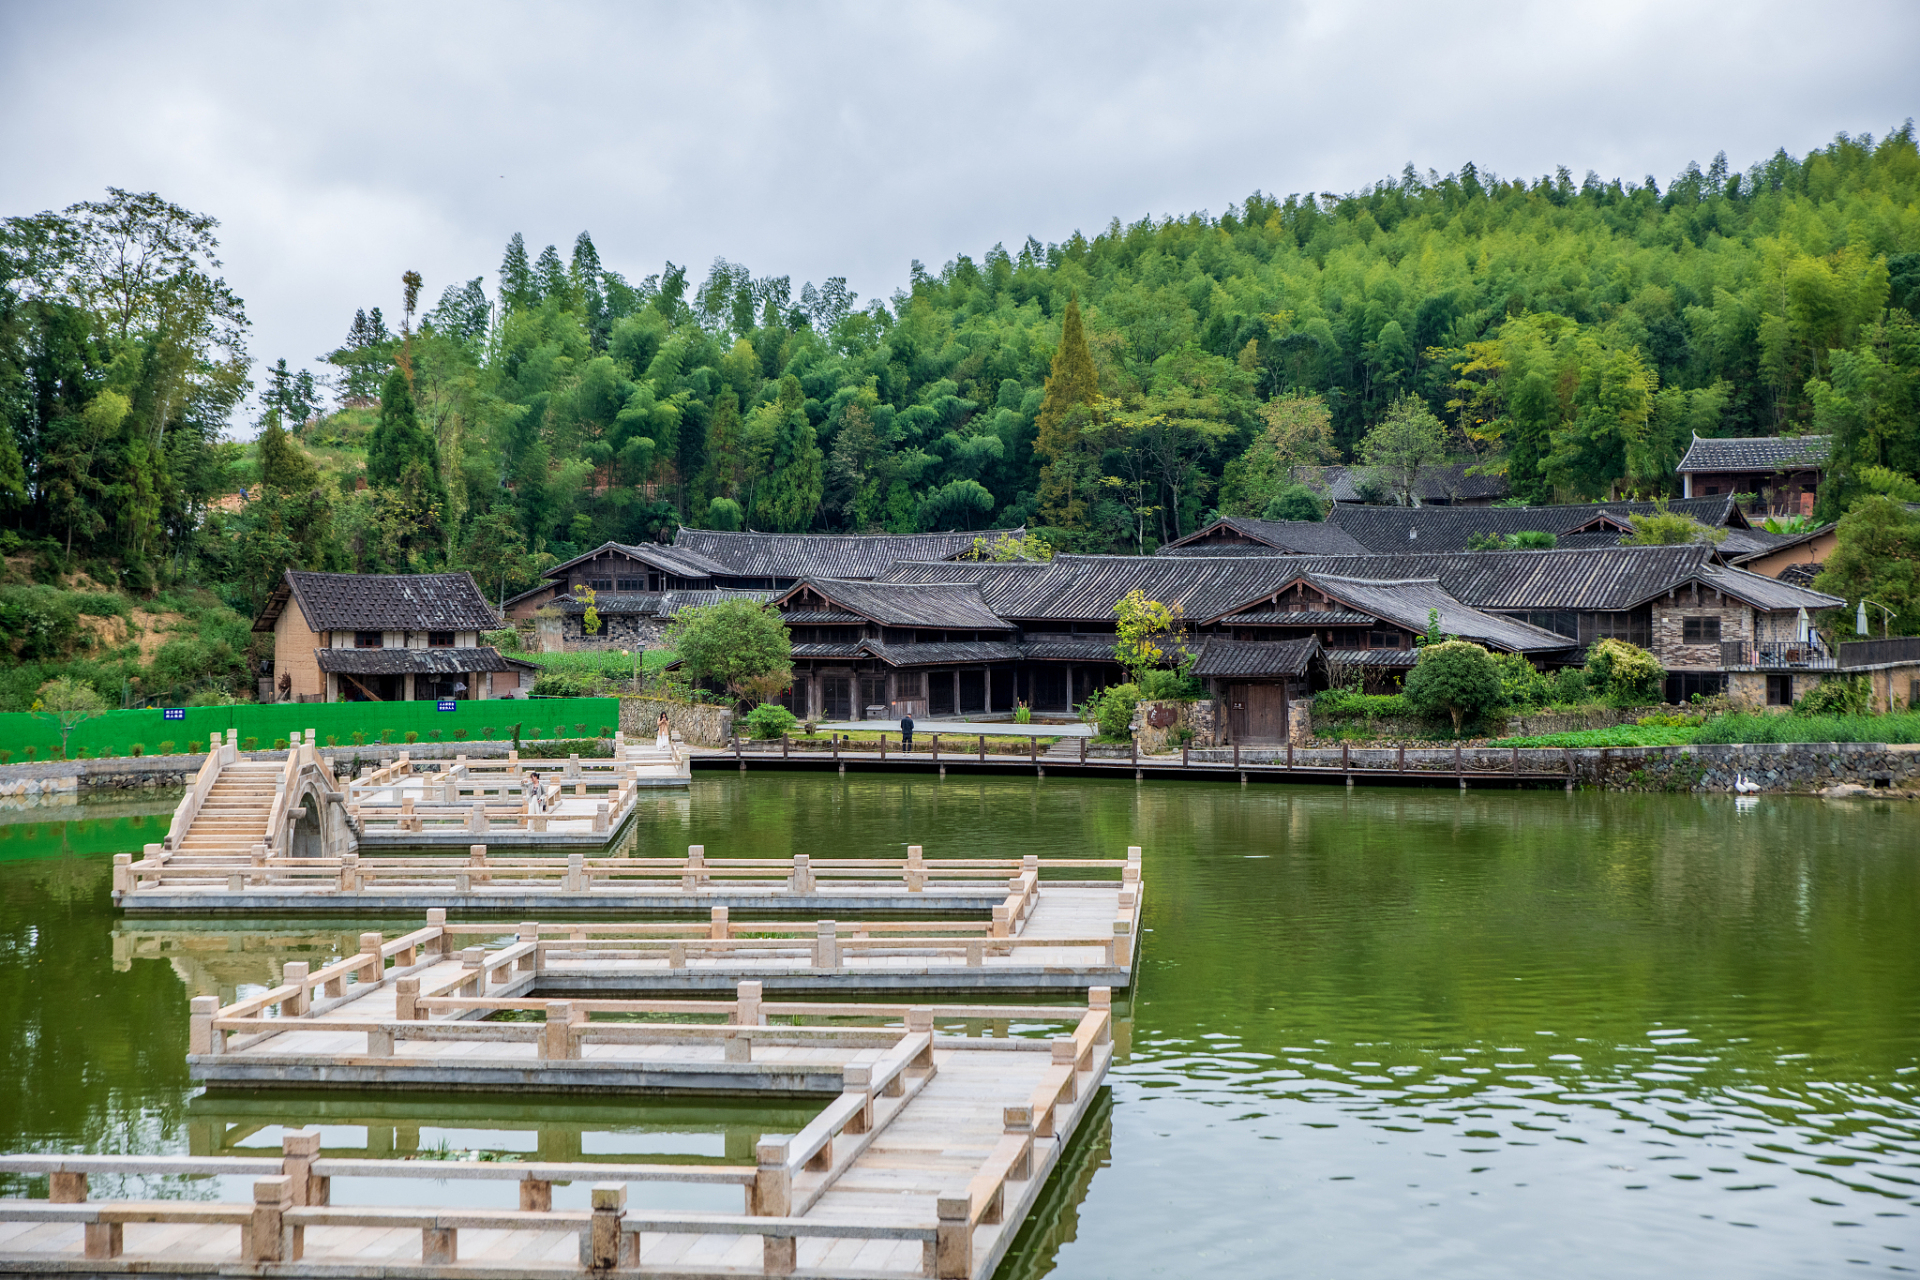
(350,637)
(1783,472)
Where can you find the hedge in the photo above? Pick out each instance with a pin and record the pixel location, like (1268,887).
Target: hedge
(117,732)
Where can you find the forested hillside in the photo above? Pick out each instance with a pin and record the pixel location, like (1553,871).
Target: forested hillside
(1569,334)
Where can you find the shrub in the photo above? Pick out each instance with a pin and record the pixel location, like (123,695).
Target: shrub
(1837,696)
(1677,720)
(1162,684)
(412,736)
(250,744)
(561,748)
(606,731)
(433,735)
(332,741)
(1569,687)
(1349,704)
(1455,677)
(137,750)
(1296,502)
(166,748)
(386,736)
(279,744)
(1112,710)
(486,731)
(771,720)
(580,729)
(1901,726)
(459,735)
(1624,674)
(29,753)
(558,684)
(1022,713)
(194,746)
(1523,685)
(5,755)
(359,739)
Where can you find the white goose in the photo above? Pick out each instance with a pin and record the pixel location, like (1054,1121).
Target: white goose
(1742,785)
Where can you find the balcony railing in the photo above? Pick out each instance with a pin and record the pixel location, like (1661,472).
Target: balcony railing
(1781,655)
(1867,653)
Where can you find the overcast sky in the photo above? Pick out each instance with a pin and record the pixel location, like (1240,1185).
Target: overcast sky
(340,145)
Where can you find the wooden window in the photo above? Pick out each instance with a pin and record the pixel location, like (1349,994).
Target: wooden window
(1780,691)
(439,639)
(1383,639)
(600,584)
(1700,630)
(632,584)
(368,639)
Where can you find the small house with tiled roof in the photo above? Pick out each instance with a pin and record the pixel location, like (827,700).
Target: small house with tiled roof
(385,637)
(1783,472)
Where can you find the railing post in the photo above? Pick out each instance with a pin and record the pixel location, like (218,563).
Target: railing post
(983,748)
(559,1043)
(372,968)
(437,919)
(747,1005)
(826,946)
(1289,754)
(294,973)
(406,1000)
(916,871)
(272,1197)
(576,873)
(67,1188)
(771,1195)
(123,873)
(953,1243)
(718,929)
(201,1037)
(603,1234)
(298,1151)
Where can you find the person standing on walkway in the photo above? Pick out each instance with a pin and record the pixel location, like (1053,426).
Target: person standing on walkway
(906,732)
(663,734)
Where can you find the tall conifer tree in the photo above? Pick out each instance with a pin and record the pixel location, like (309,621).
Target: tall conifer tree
(1065,412)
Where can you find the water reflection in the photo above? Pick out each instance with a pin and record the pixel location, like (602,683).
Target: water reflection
(1377,1033)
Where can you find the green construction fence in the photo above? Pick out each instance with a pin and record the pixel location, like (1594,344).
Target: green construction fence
(25,735)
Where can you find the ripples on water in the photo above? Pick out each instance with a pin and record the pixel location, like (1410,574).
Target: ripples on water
(1385,1034)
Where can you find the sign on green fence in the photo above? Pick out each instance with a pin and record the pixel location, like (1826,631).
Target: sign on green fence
(27,736)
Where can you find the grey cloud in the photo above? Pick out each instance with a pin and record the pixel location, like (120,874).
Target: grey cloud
(341,145)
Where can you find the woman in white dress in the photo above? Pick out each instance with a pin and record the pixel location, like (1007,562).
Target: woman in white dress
(536,797)
(663,734)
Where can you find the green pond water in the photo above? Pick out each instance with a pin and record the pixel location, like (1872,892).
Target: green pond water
(1374,1033)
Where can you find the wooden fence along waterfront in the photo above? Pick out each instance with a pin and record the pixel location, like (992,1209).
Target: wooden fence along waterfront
(1461,764)
(924,1164)
(478,878)
(248,824)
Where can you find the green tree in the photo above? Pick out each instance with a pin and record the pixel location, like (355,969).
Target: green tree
(399,443)
(731,643)
(1456,677)
(1404,444)
(1296,431)
(282,463)
(1296,502)
(68,704)
(1877,557)
(789,492)
(1072,389)
(1624,674)
(1663,528)
(1148,636)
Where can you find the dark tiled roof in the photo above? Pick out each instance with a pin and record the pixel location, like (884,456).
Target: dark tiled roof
(1408,602)
(1800,575)
(1302,618)
(1449,483)
(1756,453)
(950,606)
(1255,657)
(802,555)
(1602,579)
(1397,530)
(820,615)
(848,649)
(1298,537)
(382,602)
(1777,542)
(1066,648)
(1373,657)
(394,662)
(936,654)
(655,604)
(675,560)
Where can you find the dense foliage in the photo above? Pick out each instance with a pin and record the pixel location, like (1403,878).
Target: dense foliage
(1457,678)
(1114,389)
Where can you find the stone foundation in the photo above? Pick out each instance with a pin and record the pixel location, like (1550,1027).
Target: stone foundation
(698,724)
(1202,717)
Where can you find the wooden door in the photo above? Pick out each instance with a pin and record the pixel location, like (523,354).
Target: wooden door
(1257,712)
(836,698)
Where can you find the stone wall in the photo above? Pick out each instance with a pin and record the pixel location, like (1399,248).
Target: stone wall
(1669,630)
(617,631)
(54,777)
(1414,728)
(1202,717)
(698,724)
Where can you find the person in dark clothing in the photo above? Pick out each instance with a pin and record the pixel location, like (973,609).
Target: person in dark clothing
(906,733)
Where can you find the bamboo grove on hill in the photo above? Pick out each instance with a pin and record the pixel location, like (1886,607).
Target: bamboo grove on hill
(1114,390)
